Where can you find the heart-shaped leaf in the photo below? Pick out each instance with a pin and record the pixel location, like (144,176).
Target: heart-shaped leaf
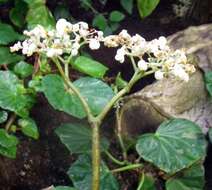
(81,173)
(190,179)
(78,138)
(96,93)
(89,66)
(177,144)
(13,95)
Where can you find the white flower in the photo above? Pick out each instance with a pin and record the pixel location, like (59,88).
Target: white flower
(179,71)
(74,52)
(142,65)
(162,42)
(94,44)
(38,32)
(124,34)
(111,41)
(52,52)
(83,25)
(159,75)
(75,27)
(120,55)
(29,47)
(16,47)
(83,32)
(63,26)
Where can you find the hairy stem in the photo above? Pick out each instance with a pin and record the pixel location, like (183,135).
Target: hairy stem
(75,90)
(95,156)
(120,139)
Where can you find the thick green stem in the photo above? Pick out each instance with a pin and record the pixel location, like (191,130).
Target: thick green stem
(75,90)
(120,94)
(120,139)
(95,157)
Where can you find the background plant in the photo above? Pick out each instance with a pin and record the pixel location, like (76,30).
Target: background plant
(23,81)
(79,99)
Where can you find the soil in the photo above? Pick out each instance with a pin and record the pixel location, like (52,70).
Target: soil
(41,163)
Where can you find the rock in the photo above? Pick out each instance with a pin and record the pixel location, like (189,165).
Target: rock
(171,98)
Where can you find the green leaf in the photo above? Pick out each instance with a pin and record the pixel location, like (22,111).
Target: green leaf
(23,69)
(13,95)
(100,22)
(18,13)
(190,179)
(146,7)
(58,96)
(78,138)
(208,82)
(7,140)
(39,14)
(116,16)
(29,127)
(8,144)
(127,5)
(8,34)
(3,116)
(89,66)
(81,173)
(96,92)
(64,188)
(147,183)
(177,144)
(7,58)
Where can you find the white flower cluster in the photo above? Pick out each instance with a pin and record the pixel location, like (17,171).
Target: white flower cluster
(151,55)
(181,8)
(66,38)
